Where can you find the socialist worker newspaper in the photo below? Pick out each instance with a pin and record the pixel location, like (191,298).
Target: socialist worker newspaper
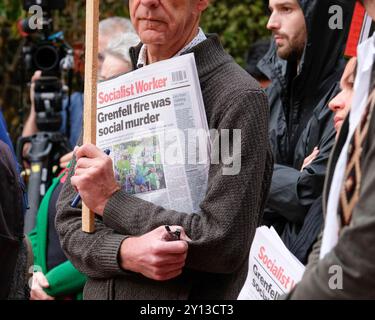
(154,123)
(273,269)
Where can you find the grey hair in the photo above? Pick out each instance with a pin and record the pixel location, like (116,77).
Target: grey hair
(113,25)
(120,45)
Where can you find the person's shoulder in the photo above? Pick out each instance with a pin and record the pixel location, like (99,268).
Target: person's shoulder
(6,154)
(215,65)
(77,98)
(235,78)
(240,79)
(236,83)
(230,76)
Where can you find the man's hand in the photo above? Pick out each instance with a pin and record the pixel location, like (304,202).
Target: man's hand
(94,178)
(154,257)
(309,159)
(37,292)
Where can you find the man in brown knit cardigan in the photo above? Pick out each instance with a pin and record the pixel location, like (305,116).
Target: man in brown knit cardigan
(126,257)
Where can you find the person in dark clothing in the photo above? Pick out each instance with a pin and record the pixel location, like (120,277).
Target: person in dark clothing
(13,245)
(304,63)
(255,53)
(301,244)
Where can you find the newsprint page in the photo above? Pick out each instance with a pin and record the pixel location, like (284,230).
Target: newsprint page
(154,123)
(273,269)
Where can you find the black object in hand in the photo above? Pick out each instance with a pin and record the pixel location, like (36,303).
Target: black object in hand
(172,235)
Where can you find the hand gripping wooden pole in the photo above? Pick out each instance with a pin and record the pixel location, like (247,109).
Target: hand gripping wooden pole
(91,71)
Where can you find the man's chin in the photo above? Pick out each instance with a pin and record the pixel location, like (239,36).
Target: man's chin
(283,54)
(151,37)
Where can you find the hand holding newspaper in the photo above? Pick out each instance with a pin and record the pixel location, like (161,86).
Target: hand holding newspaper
(150,120)
(273,270)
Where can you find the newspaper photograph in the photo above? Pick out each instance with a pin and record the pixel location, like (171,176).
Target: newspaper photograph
(154,123)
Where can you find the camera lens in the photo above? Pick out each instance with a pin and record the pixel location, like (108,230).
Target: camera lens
(46,58)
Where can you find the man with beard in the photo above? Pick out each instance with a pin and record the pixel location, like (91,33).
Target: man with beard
(305,64)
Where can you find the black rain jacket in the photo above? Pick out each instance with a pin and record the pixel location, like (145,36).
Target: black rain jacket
(299,116)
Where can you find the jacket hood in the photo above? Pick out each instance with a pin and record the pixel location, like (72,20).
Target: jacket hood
(324,46)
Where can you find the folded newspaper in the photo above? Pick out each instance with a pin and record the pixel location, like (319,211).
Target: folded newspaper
(273,269)
(154,123)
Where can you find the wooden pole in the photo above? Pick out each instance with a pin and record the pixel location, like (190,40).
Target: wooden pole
(91,72)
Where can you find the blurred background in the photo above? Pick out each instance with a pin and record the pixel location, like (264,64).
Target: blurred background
(238,22)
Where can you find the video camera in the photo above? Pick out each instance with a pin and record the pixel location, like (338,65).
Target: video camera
(46,51)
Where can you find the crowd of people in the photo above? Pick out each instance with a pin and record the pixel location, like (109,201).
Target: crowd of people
(305,115)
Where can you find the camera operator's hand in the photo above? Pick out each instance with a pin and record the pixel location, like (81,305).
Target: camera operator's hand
(30,127)
(65,159)
(94,178)
(36,76)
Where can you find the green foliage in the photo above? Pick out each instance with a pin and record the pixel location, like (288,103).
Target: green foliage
(10,10)
(238,22)
(72,21)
